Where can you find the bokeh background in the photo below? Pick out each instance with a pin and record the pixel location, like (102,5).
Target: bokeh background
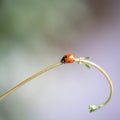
(37,33)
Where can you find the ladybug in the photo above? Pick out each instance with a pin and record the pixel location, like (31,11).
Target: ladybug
(68,58)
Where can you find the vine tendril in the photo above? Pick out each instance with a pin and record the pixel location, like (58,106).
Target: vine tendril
(68,58)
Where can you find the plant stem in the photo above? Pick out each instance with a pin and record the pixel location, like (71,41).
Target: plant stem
(92,107)
(82,60)
(29,79)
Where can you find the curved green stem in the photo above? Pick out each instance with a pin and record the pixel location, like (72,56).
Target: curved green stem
(82,60)
(93,107)
(29,79)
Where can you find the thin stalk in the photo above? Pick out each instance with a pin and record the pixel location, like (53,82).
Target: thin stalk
(93,107)
(29,79)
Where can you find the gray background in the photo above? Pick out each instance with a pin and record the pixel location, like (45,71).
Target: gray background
(37,33)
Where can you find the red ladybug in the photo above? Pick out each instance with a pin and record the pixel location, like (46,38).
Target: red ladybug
(68,58)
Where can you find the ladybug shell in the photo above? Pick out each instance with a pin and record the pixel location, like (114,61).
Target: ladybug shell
(68,58)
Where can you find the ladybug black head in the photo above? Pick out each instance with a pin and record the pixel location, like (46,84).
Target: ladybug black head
(63,60)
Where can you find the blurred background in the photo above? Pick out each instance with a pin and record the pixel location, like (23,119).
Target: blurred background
(37,33)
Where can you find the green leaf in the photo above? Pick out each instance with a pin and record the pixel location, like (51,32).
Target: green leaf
(86,58)
(92,108)
(87,65)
